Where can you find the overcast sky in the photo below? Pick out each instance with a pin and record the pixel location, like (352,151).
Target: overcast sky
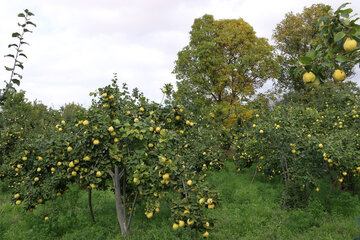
(79,44)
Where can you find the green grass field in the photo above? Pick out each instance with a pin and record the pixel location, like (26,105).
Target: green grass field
(247,211)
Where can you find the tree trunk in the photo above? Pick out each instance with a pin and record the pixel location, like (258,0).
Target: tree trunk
(90,206)
(120,204)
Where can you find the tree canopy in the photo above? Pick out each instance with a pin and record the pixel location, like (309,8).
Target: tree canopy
(224,61)
(294,37)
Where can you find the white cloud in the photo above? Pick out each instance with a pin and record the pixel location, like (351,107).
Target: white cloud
(78,45)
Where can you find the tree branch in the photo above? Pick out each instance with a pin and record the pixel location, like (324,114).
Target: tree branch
(132,210)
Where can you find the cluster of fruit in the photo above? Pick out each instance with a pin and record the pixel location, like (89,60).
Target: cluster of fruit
(338,75)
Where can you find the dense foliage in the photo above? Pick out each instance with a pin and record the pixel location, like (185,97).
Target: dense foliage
(146,153)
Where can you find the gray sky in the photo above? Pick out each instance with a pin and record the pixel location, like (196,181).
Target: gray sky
(79,44)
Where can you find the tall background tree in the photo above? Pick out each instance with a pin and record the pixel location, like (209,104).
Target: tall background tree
(224,62)
(294,37)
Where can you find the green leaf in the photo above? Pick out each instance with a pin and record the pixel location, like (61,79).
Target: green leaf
(305,60)
(345,13)
(8,69)
(341,6)
(21,15)
(16,81)
(31,23)
(341,58)
(318,47)
(15,34)
(9,55)
(311,54)
(16,74)
(23,55)
(339,36)
(13,45)
(20,65)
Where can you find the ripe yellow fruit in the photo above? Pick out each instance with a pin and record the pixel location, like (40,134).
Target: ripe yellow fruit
(211,206)
(189,182)
(207,225)
(350,45)
(210,201)
(206,234)
(149,215)
(24,158)
(190,222)
(164,90)
(317,189)
(38,169)
(344,173)
(39,158)
(40,200)
(187,122)
(142,109)
(157,129)
(18,202)
(36,179)
(46,218)
(104,95)
(166,176)
(96,142)
(111,129)
(69,149)
(74,173)
(58,194)
(150,145)
(17,195)
(60,129)
(98,174)
(116,140)
(177,118)
(92,185)
(157,210)
(339,75)
(202,200)
(59,163)
(136,120)
(151,129)
(86,122)
(320,145)
(86,158)
(175,226)
(261,131)
(71,164)
(309,77)
(181,223)
(63,122)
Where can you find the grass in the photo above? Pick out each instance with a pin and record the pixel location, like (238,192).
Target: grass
(247,211)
